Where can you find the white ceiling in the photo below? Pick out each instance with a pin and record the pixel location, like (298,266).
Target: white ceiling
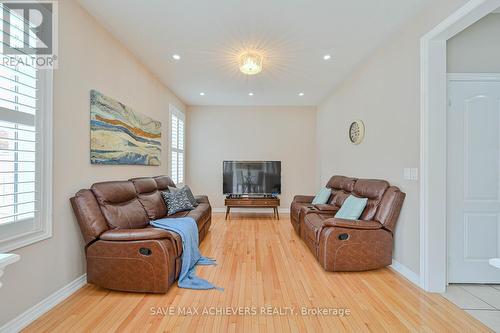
(293,34)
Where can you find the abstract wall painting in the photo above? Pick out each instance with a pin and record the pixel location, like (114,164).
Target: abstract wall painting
(118,135)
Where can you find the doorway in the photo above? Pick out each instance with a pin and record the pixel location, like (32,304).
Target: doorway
(433,161)
(473,177)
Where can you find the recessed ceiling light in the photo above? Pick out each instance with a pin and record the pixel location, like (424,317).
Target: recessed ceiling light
(327,57)
(176,57)
(301,94)
(202,94)
(250,94)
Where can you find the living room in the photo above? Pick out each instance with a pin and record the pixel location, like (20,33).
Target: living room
(309,143)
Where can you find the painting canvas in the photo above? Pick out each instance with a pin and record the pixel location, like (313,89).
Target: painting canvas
(118,135)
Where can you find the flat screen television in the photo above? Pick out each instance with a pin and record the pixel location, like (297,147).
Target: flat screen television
(251,177)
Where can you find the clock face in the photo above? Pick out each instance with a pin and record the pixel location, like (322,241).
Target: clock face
(356,132)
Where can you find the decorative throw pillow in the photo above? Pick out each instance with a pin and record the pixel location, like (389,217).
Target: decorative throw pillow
(176,202)
(352,208)
(188,191)
(322,197)
(190,195)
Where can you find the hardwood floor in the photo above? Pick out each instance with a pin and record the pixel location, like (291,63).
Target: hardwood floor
(262,263)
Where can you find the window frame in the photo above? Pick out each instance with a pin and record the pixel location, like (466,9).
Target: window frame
(29,231)
(174,111)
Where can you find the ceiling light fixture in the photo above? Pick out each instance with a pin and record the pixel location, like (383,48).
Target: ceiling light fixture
(176,57)
(327,57)
(250,94)
(301,94)
(202,94)
(251,63)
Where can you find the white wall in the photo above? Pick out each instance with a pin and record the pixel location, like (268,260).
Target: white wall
(90,58)
(384,91)
(215,134)
(477,48)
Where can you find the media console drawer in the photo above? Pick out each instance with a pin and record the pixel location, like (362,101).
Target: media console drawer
(252,203)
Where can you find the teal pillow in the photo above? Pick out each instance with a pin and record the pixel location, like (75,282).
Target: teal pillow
(322,197)
(352,208)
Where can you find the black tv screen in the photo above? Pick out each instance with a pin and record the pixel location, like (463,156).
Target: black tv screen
(251,177)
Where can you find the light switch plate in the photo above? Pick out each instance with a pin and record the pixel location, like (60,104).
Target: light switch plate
(414,174)
(410,174)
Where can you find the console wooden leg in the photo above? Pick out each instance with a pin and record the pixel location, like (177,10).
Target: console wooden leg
(227,211)
(277,213)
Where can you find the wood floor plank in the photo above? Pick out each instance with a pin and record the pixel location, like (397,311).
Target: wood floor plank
(263,264)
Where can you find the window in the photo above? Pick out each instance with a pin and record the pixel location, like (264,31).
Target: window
(25,125)
(177,127)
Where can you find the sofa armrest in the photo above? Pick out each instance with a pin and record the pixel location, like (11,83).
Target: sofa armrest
(303,198)
(135,234)
(353,224)
(202,199)
(326,208)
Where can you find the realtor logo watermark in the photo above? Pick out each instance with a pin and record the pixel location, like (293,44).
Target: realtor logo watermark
(29,33)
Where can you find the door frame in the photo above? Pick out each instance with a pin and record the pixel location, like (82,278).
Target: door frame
(468,77)
(433,107)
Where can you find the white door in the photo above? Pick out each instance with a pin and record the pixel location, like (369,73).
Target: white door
(473,180)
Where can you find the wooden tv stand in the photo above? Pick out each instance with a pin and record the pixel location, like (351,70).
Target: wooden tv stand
(252,202)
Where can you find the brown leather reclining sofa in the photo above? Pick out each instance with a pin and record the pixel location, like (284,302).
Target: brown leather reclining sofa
(347,245)
(123,251)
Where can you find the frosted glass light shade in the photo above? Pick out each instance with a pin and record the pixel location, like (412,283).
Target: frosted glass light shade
(251,63)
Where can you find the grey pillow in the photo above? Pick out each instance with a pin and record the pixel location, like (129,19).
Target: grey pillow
(173,189)
(176,202)
(188,191)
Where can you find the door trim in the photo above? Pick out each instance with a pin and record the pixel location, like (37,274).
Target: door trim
(482,77)
(433,106)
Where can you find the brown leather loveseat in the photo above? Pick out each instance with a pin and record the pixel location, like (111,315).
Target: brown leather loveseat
(347,245)
(123,251)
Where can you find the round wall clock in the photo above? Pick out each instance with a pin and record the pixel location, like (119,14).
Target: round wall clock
(357,132)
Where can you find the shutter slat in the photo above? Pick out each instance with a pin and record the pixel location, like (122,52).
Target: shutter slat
(18,93)
(19,204)
(16,193)
(18,214)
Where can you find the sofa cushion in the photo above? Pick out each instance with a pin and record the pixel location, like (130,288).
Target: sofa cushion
(313,223)
(144,184)
(119,205)
(390,207)
(150,197)
(89,216)
(296,208)
(339,197)
(202,199)
(370,188)
(373,189)
(163,182)
(341,183)
(201,214)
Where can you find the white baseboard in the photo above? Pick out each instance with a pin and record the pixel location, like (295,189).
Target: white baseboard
(406,272)
(36,311)
(251,210)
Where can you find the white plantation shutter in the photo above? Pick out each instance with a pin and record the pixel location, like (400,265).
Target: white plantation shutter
(177,145)
(23,96)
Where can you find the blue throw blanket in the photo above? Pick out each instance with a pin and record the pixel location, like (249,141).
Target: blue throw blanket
(188,230)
